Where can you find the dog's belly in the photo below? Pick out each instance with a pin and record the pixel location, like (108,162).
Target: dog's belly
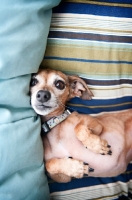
(106,165)
(60,151)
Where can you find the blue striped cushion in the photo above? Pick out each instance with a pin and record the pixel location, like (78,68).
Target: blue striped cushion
(93,39)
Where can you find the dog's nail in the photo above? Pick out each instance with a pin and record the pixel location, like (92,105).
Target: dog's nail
(108,146)
(85,163)
(70,157)
(102,154)
(109,152)
(91,169)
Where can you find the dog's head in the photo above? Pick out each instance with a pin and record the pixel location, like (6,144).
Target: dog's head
(50,90)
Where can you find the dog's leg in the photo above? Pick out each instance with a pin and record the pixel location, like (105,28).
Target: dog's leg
(63,169)
(91,141)
(60,178)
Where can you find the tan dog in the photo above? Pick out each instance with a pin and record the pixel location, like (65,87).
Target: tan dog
(73,140)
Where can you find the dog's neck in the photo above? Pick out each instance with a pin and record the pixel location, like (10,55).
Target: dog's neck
(54,121)
(52,114)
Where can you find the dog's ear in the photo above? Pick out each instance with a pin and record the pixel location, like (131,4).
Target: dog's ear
(78,88)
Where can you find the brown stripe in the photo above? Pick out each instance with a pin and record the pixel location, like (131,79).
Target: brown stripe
(108,82)
(89,36)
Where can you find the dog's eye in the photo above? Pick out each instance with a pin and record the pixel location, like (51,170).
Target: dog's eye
(33,82)
(60,84)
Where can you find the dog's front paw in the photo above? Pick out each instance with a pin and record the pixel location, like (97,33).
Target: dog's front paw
(98,145)
(105,148)
(91,141)
(78,168)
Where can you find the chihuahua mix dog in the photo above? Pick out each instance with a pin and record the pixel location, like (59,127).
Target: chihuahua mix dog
(72,141)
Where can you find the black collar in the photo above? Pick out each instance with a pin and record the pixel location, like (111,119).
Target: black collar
(54,121)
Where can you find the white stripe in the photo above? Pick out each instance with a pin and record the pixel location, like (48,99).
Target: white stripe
(69,15)
(92,18)
(93,24)
(103,192)
(90,21)
(111,92)
(100,44)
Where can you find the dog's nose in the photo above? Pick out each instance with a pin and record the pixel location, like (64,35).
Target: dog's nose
(43,96)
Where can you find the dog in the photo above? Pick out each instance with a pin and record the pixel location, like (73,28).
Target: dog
(75,145)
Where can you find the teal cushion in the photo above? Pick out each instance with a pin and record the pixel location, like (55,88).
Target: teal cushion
(24,26)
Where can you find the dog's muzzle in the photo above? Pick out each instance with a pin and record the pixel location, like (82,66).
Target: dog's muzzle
(43,96)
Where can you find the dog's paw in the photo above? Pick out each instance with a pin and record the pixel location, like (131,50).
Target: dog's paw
(105,148)
(77,168)
(97,145)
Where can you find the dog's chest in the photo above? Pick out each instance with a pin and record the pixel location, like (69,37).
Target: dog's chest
(62,139)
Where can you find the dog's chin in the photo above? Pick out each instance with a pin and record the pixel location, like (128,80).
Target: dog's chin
(43,110)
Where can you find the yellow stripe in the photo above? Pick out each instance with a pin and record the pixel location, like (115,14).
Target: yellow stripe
(88,28)
(128,172)
(90,69)
(83,44)
(89,53)
(103,106)
(101,3)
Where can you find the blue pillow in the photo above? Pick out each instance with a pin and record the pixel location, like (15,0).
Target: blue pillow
(24,26)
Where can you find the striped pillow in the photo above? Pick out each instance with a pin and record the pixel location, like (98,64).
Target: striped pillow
(93,39)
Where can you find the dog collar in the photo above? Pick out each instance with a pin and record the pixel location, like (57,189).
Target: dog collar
(54,121)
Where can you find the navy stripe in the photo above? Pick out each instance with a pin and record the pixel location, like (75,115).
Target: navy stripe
(88,181)
(89,110)
(88,61)
(80,8)
(90,36)
(96,106)
(98,102)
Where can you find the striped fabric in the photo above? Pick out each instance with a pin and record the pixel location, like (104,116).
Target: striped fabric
(93,39)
